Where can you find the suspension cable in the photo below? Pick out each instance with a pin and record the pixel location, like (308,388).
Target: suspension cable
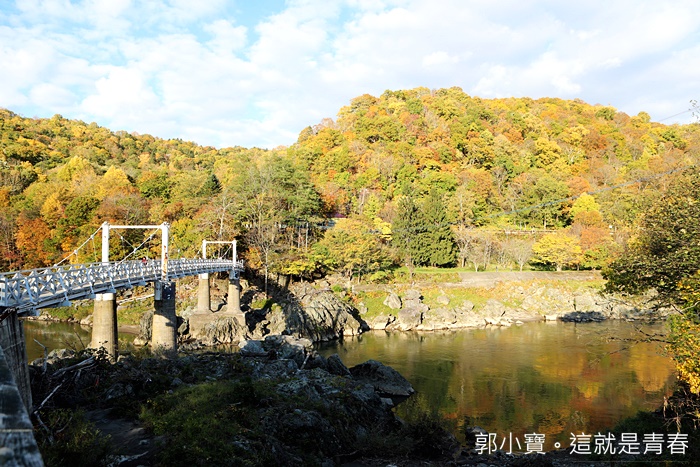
(75,251)
(138,247)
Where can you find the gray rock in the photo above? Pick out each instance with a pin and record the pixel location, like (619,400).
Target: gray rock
(224,330)
(276,369)
(439,318)
(288,347)
(146,326)
(384,379)
(393,301)
(61,354)
(443,300)
(119,390)
(380,322)
(412,294)
(252,348)
(299,387)
(408,318)
(583,317)
(335,366)
(317,315)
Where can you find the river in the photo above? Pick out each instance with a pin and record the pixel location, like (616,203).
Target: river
(552,378)
(58,335)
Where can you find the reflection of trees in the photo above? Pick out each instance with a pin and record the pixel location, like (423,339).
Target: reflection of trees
(534,378)
(648,368)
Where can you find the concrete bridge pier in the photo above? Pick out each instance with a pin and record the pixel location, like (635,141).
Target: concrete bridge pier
(234,293)
(104,324)
(203,294)
(164,333)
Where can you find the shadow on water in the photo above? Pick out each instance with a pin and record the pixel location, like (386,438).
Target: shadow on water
(551,378)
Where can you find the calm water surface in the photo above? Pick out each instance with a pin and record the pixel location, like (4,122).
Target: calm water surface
(552,378)
(60,336)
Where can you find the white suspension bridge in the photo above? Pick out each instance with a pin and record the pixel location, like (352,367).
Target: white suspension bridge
(25,293)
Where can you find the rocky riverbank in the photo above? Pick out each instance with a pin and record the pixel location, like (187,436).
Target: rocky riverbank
(324,311)
(330,309)
(275,402)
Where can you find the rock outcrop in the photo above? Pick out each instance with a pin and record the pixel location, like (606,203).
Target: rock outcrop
(384,379)
(536,301)
(315,314)
(297,407)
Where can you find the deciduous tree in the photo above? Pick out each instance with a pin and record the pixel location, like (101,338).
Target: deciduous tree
(557,249)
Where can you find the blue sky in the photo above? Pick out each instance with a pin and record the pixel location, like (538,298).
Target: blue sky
(256,72)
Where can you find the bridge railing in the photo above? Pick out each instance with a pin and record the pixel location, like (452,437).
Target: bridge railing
(48,287)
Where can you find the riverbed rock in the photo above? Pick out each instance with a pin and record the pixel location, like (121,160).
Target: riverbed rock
(381,321)
(335,366)
(225,329)
(60,354)
(393,301)
(407,319)
(384,379)
(439,318)
(583,317)
(443,299)
(145,328)
(288,347)
(316,314)
(412,294)
(252,348)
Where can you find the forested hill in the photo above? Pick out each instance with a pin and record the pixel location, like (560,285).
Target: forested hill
(484,163)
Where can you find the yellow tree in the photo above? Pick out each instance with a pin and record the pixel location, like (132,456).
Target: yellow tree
(557,249)
(352,247)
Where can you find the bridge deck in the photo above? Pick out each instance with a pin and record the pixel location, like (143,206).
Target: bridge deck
(48,287)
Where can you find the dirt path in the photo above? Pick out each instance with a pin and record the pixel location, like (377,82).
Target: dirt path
(131,444)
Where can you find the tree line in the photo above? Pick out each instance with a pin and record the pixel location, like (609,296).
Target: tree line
(412,177)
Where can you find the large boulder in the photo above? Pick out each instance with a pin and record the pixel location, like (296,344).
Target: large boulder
(315,314)
(393,301)
(145,328)
(381,321)
(408,319)
(385,380)
(224,330)
(412,294)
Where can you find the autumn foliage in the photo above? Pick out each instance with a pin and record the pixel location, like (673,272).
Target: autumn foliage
(545,166)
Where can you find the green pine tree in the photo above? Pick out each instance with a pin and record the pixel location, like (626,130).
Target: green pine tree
(404,231)
(437,241)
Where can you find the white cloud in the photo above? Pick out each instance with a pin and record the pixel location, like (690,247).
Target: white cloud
(52,96)
(439,59)
(177,68)
(121,92)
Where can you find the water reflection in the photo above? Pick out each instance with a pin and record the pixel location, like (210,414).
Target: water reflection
(56,335)
(552,378)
